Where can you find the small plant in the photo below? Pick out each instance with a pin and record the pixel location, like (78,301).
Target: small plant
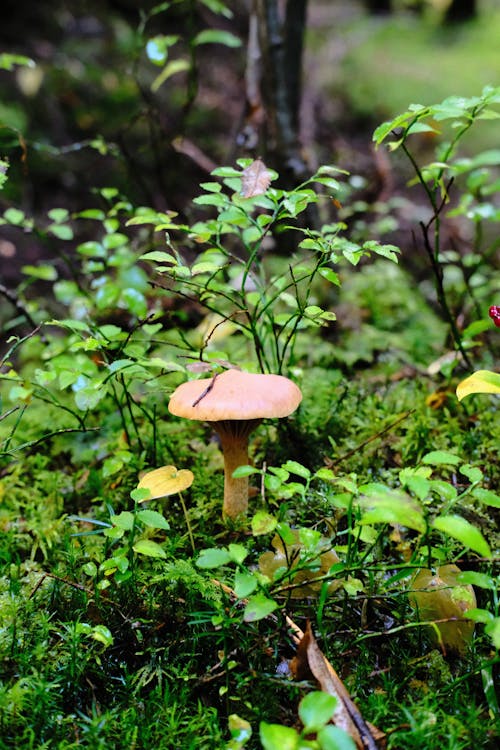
(230,276)
(315,712)
(437,179)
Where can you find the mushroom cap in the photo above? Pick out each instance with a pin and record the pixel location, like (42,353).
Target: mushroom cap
(235,395)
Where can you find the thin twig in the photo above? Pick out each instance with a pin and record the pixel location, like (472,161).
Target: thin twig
(21,308)
(331,463)
(206,391)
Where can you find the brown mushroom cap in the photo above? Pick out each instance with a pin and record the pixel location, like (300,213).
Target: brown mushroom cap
(235,395)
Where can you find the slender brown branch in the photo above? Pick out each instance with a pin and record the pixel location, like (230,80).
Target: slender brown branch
(331,463)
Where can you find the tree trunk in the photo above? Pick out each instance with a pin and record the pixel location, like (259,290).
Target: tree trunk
(280,42)
(379,7)
(461,10)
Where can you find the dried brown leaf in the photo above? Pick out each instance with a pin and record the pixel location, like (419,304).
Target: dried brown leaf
(310,660)
(255,179)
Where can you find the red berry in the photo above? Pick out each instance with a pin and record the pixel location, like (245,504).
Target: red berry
(494,313)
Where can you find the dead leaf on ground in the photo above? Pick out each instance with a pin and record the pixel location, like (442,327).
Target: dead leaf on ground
(310,660)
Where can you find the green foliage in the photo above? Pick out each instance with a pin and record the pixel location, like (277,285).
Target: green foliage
(436,178)
(114,632)
(315,711)
(229,276)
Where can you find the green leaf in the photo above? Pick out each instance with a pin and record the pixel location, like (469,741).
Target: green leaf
(473,473)
(330,276)
(61,231)
(58,215)
(123,520)
(487,497)
(218,7)
(140,495)
(153,519)
(14,216)
(91,249)
(88,397)
(157,48)
(237,553)
(112,465)
(263,523)
(278,737)
(316,709)
(240,731)
(213,557)
(439,458)
(8,60)
(482,580)
(385,251)
(258,607)
(102,634)
(244,584)
(460,529)
(335,738)
(149,548)
(295,468)
(392,507)
(244,471)
(170,69)
(113,533)
(217,36)
(42,272)
(482,381)
(492,629)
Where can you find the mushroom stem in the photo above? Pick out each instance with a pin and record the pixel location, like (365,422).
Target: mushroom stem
(235,449)
(233,434)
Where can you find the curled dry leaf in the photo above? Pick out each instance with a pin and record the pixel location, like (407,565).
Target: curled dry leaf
(255,179)
(310,660)
(166,480)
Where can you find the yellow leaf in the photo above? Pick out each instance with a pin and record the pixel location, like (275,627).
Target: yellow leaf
(166,480)
(482,381)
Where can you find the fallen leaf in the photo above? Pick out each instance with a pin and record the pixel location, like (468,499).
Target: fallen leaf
(310,660)
(440,596)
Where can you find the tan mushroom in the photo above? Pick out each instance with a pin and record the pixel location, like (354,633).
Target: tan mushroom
(235,402)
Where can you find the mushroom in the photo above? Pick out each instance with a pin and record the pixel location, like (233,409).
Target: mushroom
(235,402)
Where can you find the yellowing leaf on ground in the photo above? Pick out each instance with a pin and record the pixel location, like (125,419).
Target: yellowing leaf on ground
(440,596)
(166,480)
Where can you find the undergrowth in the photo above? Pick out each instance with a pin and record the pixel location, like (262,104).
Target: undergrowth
(137,619)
